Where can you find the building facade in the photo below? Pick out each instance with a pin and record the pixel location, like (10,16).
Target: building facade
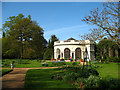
(74,48)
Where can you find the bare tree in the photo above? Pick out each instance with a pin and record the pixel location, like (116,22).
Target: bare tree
(107,21)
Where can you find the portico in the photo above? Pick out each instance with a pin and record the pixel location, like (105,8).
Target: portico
(73,48)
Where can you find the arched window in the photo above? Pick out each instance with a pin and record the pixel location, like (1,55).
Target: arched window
(58,53)
(66,53)
(77,53)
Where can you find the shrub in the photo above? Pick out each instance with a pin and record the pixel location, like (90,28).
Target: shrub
(70,77)
(45,64)
(106,62)
(109,59)
(79,80)
(98,58)
(113,59)
(58,63)
(77,72)
(109,83)
(25,62)
(91,81)
(48,54)
(74,63)
(57,77)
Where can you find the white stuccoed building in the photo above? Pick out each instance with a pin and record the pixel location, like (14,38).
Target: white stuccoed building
(74,48)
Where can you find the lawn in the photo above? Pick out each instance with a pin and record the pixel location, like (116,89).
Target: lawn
(41,78)
(33,63)
(108,70)
(24,63)
(4,71)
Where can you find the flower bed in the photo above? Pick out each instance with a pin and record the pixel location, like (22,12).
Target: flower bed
(85,79)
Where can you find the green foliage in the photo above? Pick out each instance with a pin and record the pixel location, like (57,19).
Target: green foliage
(74,63)
(98,58)
(21,63)
(27,63)
(25,38)
(106,48)
(109,83)
(75,76)
(41,79)
(70,77)
(106,70)
(45,64)
(79,80)
(5,71)
(58,63)
(113,59)
(49,53)
(71,74)
(12,50)
(92,81)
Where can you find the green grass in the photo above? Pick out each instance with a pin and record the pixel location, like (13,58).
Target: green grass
(31,63)
(41,78)
(108,70)
(4,71)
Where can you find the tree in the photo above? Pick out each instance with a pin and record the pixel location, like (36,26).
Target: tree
(107,48)
(10,48)
(49,53)
(106,20)
(26,33)
(95,35)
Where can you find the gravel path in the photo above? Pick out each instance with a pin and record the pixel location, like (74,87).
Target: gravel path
(16,78)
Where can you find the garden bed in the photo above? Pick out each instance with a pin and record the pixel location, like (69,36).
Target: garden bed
(73,77)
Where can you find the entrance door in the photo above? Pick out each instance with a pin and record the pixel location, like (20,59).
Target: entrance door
(78,53)
(67,53)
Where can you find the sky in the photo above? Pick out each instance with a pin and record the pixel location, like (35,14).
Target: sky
(64,19)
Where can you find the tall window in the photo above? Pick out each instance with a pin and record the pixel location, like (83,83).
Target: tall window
(77,53)
(66,53)
(58,53)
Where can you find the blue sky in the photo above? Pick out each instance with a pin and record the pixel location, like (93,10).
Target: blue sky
(60,18)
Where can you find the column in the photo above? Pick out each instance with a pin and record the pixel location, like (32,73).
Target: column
(63,55)
(83,54)
(54,54)
(70,53)
(74,54)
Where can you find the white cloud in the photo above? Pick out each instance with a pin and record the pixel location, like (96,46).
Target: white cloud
(66,32)
(65,29)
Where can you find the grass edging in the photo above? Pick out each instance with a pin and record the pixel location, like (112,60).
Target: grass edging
(6,72)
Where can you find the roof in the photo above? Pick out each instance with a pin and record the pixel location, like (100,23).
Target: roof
(71,38)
